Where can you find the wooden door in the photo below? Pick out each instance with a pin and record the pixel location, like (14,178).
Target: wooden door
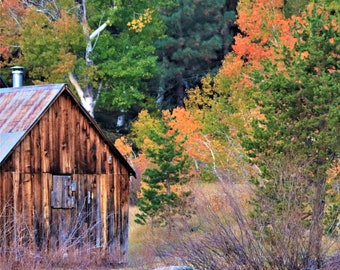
(64,211)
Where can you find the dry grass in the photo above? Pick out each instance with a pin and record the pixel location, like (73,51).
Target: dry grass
(147,247)
(56,259)
(18,251)
(220,236)
(151,248)
(217,233)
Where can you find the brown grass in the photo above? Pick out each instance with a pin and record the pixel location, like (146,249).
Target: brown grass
(220,236)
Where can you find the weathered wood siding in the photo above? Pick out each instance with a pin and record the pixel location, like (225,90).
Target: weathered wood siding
(64,142)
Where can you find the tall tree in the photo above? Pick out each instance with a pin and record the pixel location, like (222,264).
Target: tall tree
(225,104)
(125,55)
(198,35)
(90,43)
(300,99)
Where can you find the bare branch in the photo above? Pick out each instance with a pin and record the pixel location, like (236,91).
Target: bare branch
(76,85)
(99,30)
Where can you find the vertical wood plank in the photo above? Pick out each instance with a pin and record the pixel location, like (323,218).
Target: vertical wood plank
(98,219)
(55,137)
(27,209)
(93,220)
(117,208)
(26,155)
(46,215)
(45,142)
(64,124)
(78,138)
(37,208)
(17,159)
(80,214)
(84,149)
(7,209)
(16,202)
(125,214)
(35,142)
(103,209)
(72,135)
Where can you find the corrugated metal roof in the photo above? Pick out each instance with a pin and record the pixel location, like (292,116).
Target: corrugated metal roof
(20,108)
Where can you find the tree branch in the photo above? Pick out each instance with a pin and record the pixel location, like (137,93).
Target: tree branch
(96,32)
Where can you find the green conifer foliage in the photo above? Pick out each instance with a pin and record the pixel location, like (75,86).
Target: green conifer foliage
(300,102)
(160,199)
(198,35)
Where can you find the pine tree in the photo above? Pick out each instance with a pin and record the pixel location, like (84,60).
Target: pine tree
(300,97)
(160,200)
(198,35)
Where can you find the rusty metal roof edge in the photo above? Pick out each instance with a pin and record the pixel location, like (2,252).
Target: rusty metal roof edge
(23,134)
(33,87)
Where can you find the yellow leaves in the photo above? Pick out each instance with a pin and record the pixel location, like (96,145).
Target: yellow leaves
(124,147)
(233,66)
(143,125)
(138,24)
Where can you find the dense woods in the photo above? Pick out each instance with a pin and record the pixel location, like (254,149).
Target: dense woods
(241,97)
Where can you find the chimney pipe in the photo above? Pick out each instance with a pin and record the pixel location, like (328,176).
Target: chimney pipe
(17,75)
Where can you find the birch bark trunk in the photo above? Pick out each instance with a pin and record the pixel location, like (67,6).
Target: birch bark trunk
(87,96)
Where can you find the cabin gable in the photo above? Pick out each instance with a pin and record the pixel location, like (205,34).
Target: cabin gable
(65,183)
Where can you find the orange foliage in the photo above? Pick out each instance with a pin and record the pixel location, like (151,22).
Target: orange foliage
(263,26)
(264,29)
(190,131)
(11,12)
(124,147)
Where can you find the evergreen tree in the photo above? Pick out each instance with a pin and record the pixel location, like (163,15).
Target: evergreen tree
(198,35)
(160,199)
(300,97)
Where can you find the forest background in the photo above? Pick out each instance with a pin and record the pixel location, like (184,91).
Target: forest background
(229,112)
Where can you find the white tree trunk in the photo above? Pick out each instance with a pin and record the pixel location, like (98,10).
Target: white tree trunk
(86,94)
(88,102)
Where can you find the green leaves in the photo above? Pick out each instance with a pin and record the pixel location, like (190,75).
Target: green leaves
(125,58)
(50,48)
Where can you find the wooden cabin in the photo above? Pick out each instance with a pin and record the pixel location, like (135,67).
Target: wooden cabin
(62,181)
